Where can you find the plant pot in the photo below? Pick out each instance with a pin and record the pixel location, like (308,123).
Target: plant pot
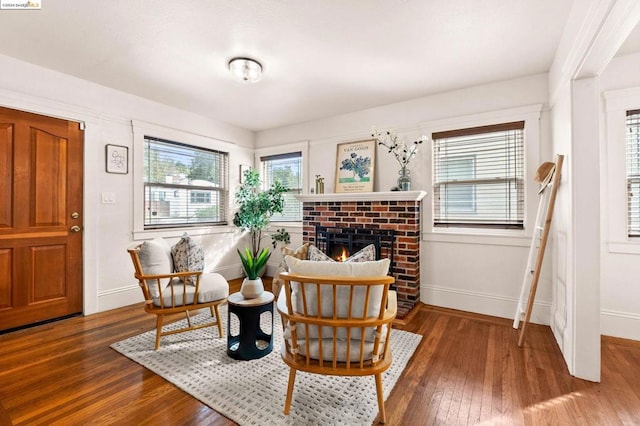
(252,288)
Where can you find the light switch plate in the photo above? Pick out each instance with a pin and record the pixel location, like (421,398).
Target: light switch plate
(108,198)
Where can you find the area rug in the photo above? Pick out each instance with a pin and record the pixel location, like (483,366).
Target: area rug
(253,392)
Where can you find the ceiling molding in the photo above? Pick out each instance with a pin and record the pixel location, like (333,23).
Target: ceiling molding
(622,18)
(593,34)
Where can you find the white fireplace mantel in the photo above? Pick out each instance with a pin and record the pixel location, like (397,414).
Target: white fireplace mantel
(363,196)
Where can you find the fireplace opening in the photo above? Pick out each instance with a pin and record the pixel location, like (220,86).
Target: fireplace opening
(340,253)
(339,243)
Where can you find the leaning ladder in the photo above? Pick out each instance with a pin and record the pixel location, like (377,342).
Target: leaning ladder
(536,250)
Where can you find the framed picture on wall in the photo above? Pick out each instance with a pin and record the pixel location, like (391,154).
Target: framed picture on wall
(117,159)
(355,165)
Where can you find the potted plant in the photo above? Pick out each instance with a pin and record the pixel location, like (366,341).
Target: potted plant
(252,286)
(255,208)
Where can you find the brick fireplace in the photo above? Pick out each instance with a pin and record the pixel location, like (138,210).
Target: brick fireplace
(399,211)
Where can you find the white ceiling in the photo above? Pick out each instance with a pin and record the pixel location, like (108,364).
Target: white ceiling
(320,58)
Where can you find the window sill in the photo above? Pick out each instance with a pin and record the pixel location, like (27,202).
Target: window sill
(178,232)
(626,247)
(514,238)
(276,225)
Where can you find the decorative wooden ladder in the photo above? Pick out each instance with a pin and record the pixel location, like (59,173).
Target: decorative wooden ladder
(536,252)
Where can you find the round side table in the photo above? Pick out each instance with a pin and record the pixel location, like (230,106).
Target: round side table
(251,342)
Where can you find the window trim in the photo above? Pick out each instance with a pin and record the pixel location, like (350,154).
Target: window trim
(222,189)
(631,179)
(491,222)
(303,148)
(285,156)
(530,114)
(615,220)
(142,129)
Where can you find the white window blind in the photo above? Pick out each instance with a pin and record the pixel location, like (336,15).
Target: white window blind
(479,177)
(183,185)
(633,173)
(286,169)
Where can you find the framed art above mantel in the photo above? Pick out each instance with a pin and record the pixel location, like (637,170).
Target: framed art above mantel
(355,165)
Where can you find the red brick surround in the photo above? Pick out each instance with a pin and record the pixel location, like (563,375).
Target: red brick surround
(399,215)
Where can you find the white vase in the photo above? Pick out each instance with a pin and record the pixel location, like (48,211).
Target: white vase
(252,288)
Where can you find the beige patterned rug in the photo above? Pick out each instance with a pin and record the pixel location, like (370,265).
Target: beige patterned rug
(253,392)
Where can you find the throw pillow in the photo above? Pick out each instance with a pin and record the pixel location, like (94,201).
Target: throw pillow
(317,255)
(322,269)
(155,259)
(188,255)
(354,269)
(301,253)
(366,254)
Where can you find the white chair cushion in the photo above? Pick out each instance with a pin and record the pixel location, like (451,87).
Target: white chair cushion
(213,287)
(362,269)
(155,258)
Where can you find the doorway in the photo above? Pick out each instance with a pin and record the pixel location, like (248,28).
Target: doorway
(41,186)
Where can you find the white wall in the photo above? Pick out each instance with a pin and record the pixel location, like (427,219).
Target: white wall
(594,32)
(561,249)
(108,114)
(620,292)
(463,270)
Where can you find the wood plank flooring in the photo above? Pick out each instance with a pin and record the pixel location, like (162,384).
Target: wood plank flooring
(467,370)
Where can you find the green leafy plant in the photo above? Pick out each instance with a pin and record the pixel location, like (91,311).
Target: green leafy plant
(253,265)
(256,206)
(280,236)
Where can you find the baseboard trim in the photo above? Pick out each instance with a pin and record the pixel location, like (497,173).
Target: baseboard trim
(625,325)
(119,297)
(481,303)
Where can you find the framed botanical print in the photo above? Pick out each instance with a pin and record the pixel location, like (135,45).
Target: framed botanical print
(355,164)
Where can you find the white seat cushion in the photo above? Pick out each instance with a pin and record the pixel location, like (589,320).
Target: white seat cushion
(341,350)
(213,287)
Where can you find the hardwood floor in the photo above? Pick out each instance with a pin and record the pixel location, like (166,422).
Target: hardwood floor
(467,370)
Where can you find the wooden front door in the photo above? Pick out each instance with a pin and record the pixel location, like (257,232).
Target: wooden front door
(40,218)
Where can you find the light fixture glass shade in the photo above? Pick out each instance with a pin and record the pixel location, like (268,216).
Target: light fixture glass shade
(246,69)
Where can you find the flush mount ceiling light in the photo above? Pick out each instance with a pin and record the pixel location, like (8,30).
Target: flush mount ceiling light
(245,69)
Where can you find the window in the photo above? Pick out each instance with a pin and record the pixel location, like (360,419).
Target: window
(633,173)
(461,197)
(199,197)
(287,169)
(183,185)
(479,177)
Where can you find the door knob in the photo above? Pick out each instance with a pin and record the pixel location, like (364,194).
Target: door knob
(75,228)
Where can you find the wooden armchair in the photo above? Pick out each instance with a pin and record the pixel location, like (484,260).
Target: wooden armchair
(337,325)
(166,293)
